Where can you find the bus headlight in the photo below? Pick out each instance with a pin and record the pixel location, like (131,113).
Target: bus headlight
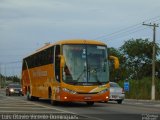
(103,91)
(69,91)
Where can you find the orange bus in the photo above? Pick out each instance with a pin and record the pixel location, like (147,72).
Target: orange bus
(68,71)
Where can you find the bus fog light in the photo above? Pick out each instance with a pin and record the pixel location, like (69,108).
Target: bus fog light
(65,98)
(107,97)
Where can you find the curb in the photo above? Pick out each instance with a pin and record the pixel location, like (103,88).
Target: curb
(142,101)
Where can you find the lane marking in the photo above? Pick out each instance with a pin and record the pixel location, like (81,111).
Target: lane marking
(44,106)
(50,112)
(22,107)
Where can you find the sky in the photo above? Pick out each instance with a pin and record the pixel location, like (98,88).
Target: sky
(26,25)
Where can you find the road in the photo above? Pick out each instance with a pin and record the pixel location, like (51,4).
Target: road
(18,107)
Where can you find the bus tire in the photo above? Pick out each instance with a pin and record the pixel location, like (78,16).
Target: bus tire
(90,103)
(49,93)
(54,102)
(105,101)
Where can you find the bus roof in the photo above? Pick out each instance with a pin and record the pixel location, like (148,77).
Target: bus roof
(72,41)
(79,41)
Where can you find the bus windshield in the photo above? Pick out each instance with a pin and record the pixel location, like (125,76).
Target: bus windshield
(85,64)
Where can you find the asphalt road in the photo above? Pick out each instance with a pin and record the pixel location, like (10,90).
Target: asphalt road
(18,108)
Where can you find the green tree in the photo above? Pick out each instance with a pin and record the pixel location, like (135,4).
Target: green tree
(138,54)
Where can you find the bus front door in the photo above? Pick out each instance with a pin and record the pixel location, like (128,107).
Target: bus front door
(57,63)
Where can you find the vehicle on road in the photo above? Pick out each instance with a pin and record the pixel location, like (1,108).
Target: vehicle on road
(13,89)
(68,71)
(116,93)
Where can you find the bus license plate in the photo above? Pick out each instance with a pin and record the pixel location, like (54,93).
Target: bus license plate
(87,98)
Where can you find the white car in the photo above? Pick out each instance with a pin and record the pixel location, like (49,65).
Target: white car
(116,93)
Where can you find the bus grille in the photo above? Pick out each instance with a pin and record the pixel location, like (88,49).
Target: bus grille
(87,93)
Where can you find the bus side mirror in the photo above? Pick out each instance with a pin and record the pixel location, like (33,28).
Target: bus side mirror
(62,61)
(115,60)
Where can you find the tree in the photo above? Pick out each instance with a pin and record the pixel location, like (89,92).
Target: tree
(138,57)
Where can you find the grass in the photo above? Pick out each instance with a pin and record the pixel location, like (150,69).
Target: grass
(141,89)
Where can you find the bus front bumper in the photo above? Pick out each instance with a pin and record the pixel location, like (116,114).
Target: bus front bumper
(83,97)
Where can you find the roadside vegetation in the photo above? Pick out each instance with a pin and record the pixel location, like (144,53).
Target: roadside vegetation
(5,80)
(141,89)
(135,58)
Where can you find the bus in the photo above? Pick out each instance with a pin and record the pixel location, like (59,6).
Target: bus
(68,71)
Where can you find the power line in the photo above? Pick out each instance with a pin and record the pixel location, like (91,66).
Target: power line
(125,33)
(12,62)
(116,32)
(126,30)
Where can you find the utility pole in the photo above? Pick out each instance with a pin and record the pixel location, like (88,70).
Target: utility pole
(0,77)
(4,82)
(153,58)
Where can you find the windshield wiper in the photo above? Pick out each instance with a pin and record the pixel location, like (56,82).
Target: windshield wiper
(94,71)
(97,80)
(84,70)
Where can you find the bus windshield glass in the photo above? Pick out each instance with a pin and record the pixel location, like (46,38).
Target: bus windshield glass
(85,65)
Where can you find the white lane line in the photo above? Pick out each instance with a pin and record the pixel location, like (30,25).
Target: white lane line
(44,106)
(47,112)
(22,107)
(2,99)
(15,105)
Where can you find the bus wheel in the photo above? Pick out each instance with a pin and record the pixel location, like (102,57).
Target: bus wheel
(90,103)
(54,102)
(49,93)
(36,98)
(105,101)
